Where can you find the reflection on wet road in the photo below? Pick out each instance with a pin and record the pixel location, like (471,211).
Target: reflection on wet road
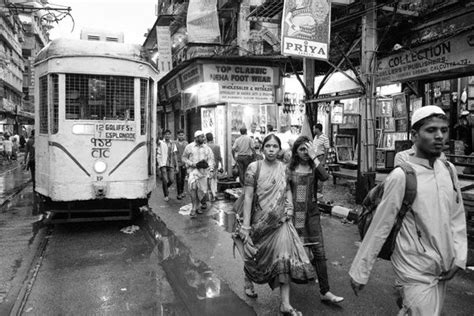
(201,290)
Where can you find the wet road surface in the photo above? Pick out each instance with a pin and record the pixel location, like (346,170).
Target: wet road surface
(208,238)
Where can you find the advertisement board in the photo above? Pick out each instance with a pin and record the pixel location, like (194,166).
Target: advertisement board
(306,27)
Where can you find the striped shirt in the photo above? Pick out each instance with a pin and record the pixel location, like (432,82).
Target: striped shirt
(320,143)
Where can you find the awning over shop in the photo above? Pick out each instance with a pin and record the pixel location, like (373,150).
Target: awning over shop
(338,83)
(267,11)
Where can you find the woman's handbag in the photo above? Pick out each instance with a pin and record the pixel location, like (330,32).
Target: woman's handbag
(246,250)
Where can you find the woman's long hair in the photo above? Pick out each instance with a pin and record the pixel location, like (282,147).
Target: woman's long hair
(295,158)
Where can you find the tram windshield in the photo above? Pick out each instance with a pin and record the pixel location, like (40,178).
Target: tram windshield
(96,97)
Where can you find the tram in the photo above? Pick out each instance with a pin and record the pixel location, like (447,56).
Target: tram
(95,129)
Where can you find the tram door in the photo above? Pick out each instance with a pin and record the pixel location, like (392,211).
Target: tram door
(149,119)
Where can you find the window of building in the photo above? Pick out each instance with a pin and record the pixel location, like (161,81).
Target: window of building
(55,104)
(91,97)
(111,39)
(43,105)
(143,102)
(93,38)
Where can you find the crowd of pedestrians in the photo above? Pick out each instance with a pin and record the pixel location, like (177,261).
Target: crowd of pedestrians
(280,224)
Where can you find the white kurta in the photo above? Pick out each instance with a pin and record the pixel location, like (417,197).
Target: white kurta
(418,261)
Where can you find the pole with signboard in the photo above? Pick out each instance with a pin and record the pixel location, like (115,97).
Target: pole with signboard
(306,27)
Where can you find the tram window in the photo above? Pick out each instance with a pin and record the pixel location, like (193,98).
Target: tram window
(55,104)
(92,97)
(143,102)
(43,105)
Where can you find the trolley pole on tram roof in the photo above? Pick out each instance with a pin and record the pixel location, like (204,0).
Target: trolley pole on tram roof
(366,168)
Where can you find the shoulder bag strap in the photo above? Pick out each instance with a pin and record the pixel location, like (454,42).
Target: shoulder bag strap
(453,179)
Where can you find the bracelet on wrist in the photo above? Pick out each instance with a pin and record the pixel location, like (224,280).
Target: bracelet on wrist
(245,227)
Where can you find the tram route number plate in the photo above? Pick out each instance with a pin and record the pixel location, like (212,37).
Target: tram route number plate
(115,131)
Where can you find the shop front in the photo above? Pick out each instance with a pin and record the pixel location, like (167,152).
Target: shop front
(441,73)
(220,98)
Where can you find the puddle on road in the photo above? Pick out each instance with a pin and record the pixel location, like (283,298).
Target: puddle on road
(199,288)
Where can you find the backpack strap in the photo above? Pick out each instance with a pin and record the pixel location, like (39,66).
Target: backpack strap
(410,186)
(453,179)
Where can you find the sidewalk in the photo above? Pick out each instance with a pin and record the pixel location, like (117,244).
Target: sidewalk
(12,179)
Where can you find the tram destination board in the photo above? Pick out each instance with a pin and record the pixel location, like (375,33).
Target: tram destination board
(115,131)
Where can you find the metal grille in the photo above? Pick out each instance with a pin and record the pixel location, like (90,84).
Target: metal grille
(43,105)
(55,104)
(92,97)
(143,96)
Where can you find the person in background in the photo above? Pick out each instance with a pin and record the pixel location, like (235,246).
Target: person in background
(243,153)
(29,160)
(196,156)
(216,150)
(7,147)
(166,159)
(303,170)
(321,146)
(181,143)
(15,148)
(22,141)
(464,132)
(431,245)
(258,149)
(254,134)
(280,257)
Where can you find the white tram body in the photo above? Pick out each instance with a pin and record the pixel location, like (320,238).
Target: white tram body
(95,114)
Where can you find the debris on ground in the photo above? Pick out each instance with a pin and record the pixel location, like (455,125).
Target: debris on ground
(130,229)
(185,209)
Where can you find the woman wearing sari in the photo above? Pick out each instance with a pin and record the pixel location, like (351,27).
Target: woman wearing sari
(304,169)
(279,257)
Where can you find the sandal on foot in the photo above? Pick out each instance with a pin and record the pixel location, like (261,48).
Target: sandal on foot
(193,214)
(331,298)
(250,291)
(290,312)
(199,211)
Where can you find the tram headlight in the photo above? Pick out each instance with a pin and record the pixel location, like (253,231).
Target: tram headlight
(100,166)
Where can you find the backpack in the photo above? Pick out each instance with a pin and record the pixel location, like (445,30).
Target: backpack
(372,200)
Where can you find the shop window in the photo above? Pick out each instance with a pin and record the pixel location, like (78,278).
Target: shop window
(43,105)
(54,104)
(91,97)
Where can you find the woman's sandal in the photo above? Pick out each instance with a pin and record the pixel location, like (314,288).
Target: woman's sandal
(193,214)
(250,291)
(290,312)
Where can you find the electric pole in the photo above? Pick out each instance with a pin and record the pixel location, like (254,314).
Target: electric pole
(366,168)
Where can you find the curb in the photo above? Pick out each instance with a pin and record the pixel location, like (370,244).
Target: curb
(21,283)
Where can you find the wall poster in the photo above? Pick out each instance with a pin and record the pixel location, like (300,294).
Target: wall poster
(399,105)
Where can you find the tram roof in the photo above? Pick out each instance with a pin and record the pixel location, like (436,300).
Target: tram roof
(63,47)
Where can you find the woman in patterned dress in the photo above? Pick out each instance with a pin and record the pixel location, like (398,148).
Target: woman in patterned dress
(304,169)
(280,257)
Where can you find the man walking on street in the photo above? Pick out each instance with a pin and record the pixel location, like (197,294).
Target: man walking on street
(167,162)
(216,150)
(29,160)
(199,160)
(321,145)
(431,245)
(243,153)
(181,143)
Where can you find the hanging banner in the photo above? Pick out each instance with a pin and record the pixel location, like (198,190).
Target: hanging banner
(202,22)
(163,39)
(306,26)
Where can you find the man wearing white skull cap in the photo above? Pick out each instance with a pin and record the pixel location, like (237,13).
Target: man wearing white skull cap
(431,245)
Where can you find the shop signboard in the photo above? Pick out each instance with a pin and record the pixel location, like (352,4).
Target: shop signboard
(306,28)
(427,60)
(172,87)
(190,77)
(163,37)
(238,83)
(202,22)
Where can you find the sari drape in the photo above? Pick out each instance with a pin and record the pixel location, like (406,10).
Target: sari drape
(280,256)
